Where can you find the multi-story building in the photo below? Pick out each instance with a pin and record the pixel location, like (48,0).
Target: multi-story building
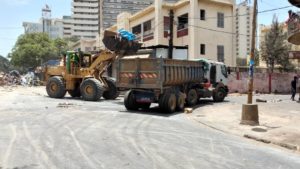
(85,18)
(199,25)
(67,26)
(243,26)
(53,27)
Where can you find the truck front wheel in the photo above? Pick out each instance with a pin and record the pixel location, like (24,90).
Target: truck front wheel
(219,95)
(192,97)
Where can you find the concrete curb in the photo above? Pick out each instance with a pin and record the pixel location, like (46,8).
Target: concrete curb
(266,141)
(281,144)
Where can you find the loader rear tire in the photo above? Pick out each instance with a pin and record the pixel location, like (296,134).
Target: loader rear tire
(112,92)
(91,89)
(55,87)
(129,101)
(76,91)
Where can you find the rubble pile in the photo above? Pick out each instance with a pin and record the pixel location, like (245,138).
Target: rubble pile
(11,78)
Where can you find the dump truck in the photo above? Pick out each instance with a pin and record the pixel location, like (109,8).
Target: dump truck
(172,84)
(83,75)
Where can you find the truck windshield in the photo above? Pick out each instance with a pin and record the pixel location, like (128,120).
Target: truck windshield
(224,70)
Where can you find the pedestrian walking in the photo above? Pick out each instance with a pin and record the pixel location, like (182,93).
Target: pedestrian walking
(293,87)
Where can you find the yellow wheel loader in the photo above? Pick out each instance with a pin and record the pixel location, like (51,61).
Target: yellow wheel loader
(83,74)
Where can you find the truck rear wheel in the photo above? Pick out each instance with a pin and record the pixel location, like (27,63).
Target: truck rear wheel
(55,87)
(192,97)
(129,101)
(112,92)
(168,102)
(219,95)
(180,102)
(91,90)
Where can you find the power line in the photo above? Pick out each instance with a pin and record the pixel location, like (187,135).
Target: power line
(246,14)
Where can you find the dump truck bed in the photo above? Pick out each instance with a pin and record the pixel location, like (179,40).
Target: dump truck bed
(157,73)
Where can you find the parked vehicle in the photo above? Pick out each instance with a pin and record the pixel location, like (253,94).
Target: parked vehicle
(170,83)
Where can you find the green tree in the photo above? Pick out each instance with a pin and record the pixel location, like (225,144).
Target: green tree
(32,49)
(61,45)
(274,49)
(4,64)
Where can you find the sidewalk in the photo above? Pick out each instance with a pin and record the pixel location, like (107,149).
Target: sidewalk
(279,119)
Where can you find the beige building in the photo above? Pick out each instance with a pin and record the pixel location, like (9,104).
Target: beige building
(200,25)
(243,23)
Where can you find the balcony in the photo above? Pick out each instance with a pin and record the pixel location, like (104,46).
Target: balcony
(295,3)
(294,31)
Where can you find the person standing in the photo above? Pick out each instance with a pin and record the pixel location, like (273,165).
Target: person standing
(293,87)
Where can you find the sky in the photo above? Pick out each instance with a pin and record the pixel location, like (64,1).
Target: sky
(14,12)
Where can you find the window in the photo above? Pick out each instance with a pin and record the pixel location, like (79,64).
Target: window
(137,31)
(202,49)
(148,31)
(183,22)
(220,53)
(220,20)
(166,26)
(202,14)
(182,28)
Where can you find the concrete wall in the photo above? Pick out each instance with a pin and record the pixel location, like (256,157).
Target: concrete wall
(278,82)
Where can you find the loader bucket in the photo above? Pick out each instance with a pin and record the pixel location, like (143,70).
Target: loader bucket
(118,44)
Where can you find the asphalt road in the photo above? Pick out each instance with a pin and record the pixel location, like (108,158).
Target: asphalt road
(38,132)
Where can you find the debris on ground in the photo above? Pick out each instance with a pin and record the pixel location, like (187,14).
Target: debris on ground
(261,100)
(65,105)
(188,110)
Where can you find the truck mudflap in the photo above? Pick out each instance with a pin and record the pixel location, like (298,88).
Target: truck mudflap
(144,97)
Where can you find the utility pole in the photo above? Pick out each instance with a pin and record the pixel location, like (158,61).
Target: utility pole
(251,71)
(171,21)
(249,110)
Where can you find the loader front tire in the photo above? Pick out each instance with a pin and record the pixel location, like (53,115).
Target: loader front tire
(55,87)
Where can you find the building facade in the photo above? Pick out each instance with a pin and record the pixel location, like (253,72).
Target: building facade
(200,25)
(243,23)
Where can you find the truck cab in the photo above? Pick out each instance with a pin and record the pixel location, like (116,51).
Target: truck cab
(216,77)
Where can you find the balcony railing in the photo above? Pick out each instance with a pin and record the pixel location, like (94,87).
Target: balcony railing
(294,31)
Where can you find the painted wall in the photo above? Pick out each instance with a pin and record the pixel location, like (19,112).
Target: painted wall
(280,82)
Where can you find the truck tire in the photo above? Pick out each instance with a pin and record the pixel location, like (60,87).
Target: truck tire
(112,93)
(129,101)
(180,102)
(55,87)
(192,97)
(219,95)
(91,89)
(169,102)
